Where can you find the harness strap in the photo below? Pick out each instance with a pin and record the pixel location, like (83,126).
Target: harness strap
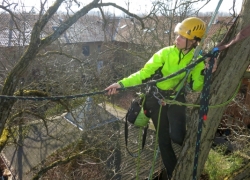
(145,129)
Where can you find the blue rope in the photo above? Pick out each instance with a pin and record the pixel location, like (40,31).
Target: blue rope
(203,108)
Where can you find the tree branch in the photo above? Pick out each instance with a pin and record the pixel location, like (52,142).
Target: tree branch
(124,10)
(60,162)
(67,23)
(31,93)
(59,53)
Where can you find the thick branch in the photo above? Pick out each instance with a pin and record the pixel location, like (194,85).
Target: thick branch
(59,53)
(69,22)
(51,11)
(31,93)
(59,162)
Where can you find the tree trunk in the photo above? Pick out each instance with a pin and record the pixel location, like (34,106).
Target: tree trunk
(12,82)
(233,63)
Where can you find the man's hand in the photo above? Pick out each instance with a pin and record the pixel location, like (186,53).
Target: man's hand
(214,66)
(112,88)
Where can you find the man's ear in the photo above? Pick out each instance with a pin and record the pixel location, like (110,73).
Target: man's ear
(192,43)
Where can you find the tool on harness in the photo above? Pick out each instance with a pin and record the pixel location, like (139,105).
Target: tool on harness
(155,92)
(136,114)
(139,117)
(162,95)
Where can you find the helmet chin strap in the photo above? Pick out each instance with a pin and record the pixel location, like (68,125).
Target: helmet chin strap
(186,49)
(193,45)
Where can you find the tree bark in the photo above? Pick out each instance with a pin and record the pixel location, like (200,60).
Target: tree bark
(233,63)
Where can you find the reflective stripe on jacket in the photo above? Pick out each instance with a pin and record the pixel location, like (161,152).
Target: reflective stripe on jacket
(168,59)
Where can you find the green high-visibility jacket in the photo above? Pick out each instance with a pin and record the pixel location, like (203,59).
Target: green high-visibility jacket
(171,60)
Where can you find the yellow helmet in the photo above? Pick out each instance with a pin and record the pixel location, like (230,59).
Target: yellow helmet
(191,28)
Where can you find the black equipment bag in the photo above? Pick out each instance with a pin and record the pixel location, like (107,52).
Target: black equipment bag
(136,116)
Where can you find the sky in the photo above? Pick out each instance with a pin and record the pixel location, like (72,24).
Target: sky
(140,5)
(143,6)
(225,5)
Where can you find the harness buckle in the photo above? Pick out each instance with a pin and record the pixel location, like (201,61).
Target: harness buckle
(161,102)
(159,97)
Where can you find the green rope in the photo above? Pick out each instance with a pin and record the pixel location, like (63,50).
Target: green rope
(168,101)
(156,144)
(139,154)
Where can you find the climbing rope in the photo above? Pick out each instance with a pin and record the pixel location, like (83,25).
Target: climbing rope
(56,98)
(169,101)
(199,47)
(203,110)
(156,145)
(243,34)
(139,153)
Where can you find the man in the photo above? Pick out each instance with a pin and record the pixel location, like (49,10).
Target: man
(172,125)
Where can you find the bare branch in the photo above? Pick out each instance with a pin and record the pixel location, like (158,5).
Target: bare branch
(124,10)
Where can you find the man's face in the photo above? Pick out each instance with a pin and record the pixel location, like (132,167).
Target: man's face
(180,42)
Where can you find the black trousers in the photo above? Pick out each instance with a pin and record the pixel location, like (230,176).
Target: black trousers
(172,127)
